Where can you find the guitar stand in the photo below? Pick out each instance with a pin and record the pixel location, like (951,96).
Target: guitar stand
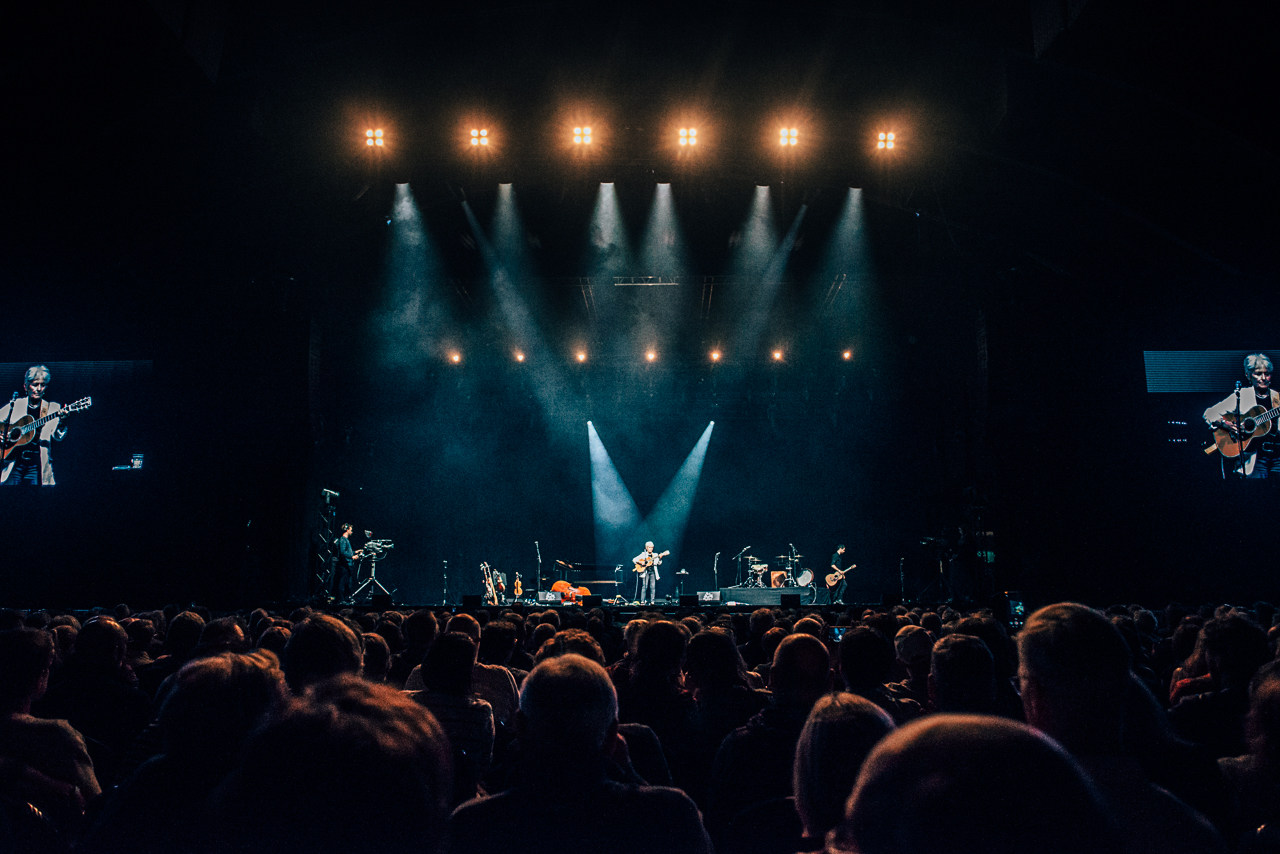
(371,582)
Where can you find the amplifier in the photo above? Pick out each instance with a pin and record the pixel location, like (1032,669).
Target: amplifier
(708,595)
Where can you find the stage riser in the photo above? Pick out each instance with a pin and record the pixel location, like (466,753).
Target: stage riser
(763,595)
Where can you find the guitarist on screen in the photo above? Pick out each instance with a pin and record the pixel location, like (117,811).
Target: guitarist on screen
(28,464)
(1261,454)
(646,563)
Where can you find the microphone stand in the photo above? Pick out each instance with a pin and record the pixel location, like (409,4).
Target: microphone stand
(445,599)
(1239,432)
(738,558)
(715,571)
(537,588)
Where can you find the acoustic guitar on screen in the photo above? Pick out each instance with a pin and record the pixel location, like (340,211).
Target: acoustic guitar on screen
(1254,424)
(27,428)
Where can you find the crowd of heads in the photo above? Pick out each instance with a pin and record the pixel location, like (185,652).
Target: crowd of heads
(887,729)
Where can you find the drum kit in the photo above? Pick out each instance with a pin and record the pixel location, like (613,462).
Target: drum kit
(778,571)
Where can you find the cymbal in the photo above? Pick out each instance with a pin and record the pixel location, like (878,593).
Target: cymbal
(788,557)
(683,572)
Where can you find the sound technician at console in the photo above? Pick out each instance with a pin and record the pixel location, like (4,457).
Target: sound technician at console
(29,464)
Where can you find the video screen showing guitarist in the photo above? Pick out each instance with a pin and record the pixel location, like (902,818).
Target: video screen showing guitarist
(646,563)
(27,460)
(1252,440)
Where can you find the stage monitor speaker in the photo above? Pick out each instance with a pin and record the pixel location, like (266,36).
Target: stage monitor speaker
(790,600)
(592,600)
(708,595)
(380,602)
(471,601)
(688,600)
(548,597)
(750,595)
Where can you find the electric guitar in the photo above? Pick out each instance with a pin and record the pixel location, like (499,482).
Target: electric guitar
(1254,424)
(27,428)
(646,562)
(834,578)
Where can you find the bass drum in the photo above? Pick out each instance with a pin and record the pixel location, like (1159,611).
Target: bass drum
(805,578)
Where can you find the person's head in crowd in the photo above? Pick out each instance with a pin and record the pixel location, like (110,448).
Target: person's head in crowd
(1186,638)
(392,634)
(141,634)
(571,641)
(996,638)
(866,659)
(217,701)
(801,671)
(275,639)
(420,629)
(567,707)
(542,633)
(660,652)
(449,665)
(631,635)
(26,655)
(1145,622)
(712,662)
(121,612)
(839,733)
(913,647)
(962,676)
(809,626)
(466,624)
(692,625)
(101,645)
(1262,725)
(348,766)
(64,641)
(224,634)
(321,647)
(1234,648)
(497,642)
(1074,673)
(971,784)
(769,643)
(184,634)
(11,619)
(761,621)
(376,661)
(885,624)
(550,616)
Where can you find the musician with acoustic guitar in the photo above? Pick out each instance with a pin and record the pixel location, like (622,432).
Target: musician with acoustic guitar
(30,424)
(646,563)
(1251,439)
(835,578)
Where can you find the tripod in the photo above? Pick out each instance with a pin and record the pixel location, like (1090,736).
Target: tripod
(371,582)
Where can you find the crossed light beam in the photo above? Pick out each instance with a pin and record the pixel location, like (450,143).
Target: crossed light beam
(620,530)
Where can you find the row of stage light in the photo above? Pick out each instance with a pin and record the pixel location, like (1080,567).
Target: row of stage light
(650,356)
(582,135)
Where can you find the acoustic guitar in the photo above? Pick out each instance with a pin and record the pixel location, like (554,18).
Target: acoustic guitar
(27,428)
(645,562)
(1254,424)
(834,578)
